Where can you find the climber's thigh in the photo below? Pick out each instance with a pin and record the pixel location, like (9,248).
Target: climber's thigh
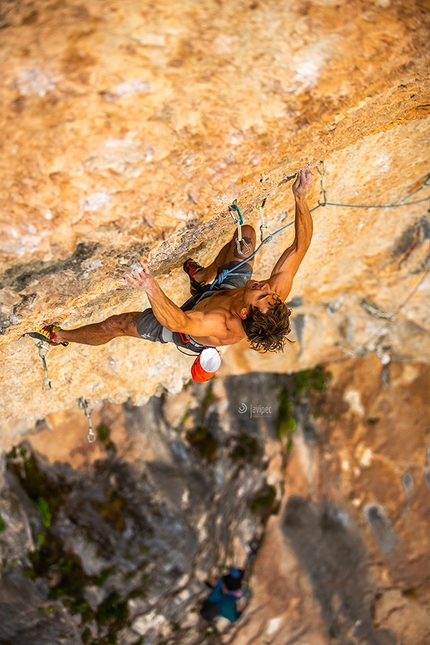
(148,327)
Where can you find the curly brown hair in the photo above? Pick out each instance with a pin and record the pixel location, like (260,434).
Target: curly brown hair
(268,332)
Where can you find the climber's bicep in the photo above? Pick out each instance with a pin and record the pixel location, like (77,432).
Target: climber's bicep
(281,283)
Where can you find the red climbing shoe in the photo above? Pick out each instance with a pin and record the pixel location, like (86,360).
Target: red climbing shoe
(47,334)
(191,267)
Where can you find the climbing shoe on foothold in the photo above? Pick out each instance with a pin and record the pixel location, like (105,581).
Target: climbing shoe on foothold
(191,267)
(47,334)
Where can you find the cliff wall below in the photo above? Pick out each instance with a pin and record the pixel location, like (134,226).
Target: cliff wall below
(128,129)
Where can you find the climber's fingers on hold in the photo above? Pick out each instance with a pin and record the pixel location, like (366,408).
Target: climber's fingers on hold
(141,279)
(131,279)
(303,180)
(145,267)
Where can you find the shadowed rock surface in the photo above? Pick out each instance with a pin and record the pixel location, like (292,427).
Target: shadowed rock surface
(172,492)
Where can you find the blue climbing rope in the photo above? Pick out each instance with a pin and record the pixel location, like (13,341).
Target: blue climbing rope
(418,201)
(226,272)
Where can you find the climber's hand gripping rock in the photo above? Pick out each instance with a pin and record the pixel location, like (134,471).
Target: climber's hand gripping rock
(142,280)
(303,182)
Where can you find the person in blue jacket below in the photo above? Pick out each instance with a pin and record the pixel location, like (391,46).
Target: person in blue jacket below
(226,597)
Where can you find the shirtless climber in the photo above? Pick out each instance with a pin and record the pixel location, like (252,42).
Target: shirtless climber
(237,307)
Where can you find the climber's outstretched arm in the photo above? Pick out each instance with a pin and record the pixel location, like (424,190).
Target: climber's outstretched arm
(281,278)
(195,323)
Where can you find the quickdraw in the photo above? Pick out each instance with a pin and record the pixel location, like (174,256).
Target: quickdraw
(242,247)
(263,221)
(84,405)
(322,199)
(43,351)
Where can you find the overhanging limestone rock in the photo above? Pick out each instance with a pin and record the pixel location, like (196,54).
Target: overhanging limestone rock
(134,128)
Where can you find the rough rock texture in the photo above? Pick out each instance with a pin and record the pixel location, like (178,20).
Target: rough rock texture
(127,130)
(179,486)
(131,527)
(346,559)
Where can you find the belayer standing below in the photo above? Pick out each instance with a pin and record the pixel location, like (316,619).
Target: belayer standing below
(226,598)
(237,306)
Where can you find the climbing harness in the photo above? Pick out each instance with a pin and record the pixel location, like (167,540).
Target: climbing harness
(43,351)
(84,405)
(323,202)
(241,246)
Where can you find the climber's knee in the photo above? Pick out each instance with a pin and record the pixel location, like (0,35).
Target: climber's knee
(249,232)
(122,324)
(246,247)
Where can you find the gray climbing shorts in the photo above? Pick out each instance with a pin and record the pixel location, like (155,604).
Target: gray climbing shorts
(149,328)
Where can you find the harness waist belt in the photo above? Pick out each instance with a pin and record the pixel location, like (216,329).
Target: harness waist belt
(188,339)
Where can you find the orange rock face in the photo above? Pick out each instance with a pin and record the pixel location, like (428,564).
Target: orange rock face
(128,129)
